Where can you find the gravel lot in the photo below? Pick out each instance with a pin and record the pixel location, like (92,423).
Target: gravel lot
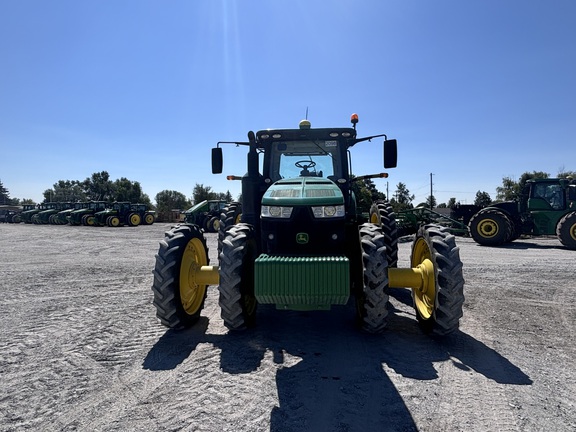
(81,349)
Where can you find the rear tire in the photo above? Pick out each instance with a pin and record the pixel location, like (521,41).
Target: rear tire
(134,219)
(372,303)
(381,213)
(148,219)
(237,302)
(490,227)
(178,303)
(566,230)
(439,309)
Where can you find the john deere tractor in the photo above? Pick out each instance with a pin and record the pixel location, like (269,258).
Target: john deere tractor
(206,214)
(119,214)
(545,207)
(85,215)
(301,244)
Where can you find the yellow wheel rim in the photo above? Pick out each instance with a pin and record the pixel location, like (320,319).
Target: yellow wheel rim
(488,228)
(149,219)
(573,232)
(135,219)
(115,221)
(424,299)
(374,218)
(192,294)
(238,219)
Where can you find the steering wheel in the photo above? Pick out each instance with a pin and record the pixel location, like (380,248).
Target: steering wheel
(305,164)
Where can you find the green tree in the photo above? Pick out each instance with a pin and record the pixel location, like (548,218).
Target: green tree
(451,203)
(201,193)
(431,202)
(511,189)
(127,190)
(99,187)
(482,199)
(4,195)
(566,174)
(168,200)
(64,191)
(402,198)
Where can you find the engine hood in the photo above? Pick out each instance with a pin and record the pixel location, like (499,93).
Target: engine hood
(302,191)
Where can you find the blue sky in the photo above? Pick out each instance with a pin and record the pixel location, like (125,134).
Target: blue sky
(473,91)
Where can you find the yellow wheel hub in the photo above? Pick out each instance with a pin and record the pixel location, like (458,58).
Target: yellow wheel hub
(487,228)
(374,218)
(425,295)
(191,289)
(573,231)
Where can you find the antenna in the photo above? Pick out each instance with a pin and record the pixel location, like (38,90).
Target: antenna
(306,113)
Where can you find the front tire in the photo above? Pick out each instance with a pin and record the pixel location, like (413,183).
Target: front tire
(237,302)
(230,216)
(490,227)
(566,230)
(372,303)
(439,308)
(179,302)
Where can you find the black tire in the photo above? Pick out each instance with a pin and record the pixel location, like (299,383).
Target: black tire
(439,310)
(237,302)
(381,213)
(178,304)
(566,230)
(213,224)
(148,219)
(490,227)
(88,220)
(230,216)
(134,219)
(372,303)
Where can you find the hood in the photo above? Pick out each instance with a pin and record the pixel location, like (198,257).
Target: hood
(303,191)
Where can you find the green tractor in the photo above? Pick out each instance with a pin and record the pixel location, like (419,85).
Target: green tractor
(119,214)
(147,217)
(27,215)
(302,243)
(62,217)
(85,214)
(545,207)
(206,214)
(16,217)
(47,216)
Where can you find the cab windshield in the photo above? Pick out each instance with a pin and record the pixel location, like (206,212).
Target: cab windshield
(318,158)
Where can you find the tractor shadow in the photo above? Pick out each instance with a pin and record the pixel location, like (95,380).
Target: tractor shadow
(330,376)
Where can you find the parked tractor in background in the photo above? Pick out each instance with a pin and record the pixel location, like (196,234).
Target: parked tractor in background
(545,207)
(206,214)
(119,214)
(303,245)
(27,215)
(53,208)
(16,217)
(62,217)
(85,215)
(147,217)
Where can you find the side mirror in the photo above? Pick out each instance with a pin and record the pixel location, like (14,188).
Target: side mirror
(390,153)
(217,160)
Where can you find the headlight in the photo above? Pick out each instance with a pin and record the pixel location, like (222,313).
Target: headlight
(328,211)
(276,212)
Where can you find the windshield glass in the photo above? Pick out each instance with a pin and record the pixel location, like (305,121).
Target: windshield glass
(320,158)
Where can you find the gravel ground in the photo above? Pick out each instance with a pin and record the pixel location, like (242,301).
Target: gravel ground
(81,349)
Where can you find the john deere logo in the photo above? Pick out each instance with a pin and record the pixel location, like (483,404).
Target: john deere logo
(301,238)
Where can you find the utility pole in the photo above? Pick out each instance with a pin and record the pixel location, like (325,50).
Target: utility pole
(431,193)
